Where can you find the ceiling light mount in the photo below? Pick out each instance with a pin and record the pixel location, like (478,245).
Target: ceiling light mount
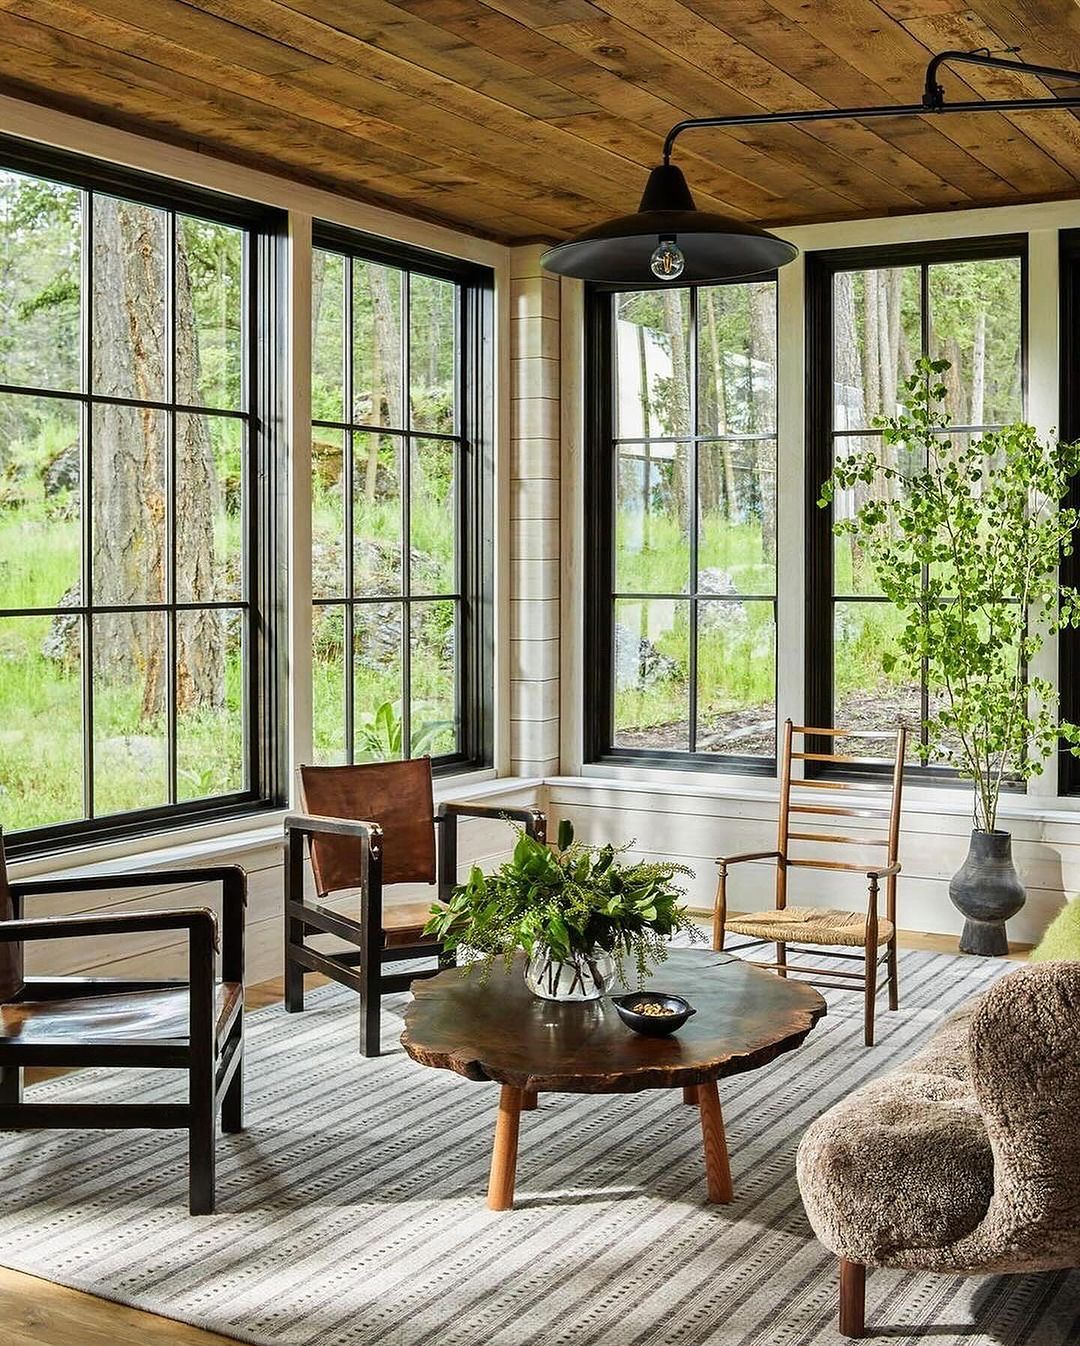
(668,239)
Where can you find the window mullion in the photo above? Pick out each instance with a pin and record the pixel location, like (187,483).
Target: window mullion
(171,468)
(86,272)
(348,488)
(692,454)
(406,520)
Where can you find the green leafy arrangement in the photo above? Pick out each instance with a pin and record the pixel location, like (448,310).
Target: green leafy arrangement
(965,537)
(572,900)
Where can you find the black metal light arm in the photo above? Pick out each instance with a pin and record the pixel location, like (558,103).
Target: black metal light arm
(933,99)
(669,241)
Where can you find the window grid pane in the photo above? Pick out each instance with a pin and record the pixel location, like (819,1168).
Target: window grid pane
(967,311)
(694,536)
(130,506)
(395,504)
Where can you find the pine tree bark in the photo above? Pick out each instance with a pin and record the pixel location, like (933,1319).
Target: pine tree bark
(854,365)
(978,371)
(680,377)
(711,492)
(763,355)
(130,448)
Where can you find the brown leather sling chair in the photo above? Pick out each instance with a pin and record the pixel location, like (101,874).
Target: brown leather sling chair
(370,827)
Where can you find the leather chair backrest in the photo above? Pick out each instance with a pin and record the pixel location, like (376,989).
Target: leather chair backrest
(397,796)
(11,954)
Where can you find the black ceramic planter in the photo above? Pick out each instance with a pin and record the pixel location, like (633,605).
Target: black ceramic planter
(987,891)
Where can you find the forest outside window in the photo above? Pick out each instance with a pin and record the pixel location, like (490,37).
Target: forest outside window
(879,313)
(126,437)
(686,460)
(395,647)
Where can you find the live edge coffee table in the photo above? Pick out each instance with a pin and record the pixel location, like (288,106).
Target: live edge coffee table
(498,1030)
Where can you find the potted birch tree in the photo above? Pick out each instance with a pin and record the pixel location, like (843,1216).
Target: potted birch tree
(967,545)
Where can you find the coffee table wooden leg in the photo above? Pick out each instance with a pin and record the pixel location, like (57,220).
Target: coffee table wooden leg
(717,1166)
(689,1095)
(504,1152)
(528,1101)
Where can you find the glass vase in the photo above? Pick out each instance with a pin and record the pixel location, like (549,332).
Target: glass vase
(582,977)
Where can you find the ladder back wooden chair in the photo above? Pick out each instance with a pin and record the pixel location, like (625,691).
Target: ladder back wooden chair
(195,1025)
(799,927)
(370,827)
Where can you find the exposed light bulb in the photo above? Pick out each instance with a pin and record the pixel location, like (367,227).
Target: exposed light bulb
(667,262)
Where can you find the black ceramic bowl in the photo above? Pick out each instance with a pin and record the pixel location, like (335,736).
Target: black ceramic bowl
(653,1025)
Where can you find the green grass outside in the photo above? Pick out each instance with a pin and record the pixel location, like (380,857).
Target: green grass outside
(40,698)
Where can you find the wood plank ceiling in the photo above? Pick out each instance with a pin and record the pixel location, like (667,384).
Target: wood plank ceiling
(529,119)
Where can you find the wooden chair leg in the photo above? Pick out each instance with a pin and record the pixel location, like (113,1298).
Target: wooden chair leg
(719,919)
(894,981)
(294,986)
(201,1140)
(781,960)
(294,929)
(371,1022)
(370,1016)
(852,1298)
(870,1000)
(232,1105)
(10,1086)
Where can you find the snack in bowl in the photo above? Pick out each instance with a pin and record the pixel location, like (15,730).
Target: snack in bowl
(652,1013)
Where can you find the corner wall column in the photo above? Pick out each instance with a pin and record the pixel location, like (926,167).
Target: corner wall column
(534,517)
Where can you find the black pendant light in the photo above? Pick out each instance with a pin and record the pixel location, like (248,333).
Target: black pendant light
(670,241)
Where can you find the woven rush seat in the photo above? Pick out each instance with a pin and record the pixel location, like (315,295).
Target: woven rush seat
(808,925)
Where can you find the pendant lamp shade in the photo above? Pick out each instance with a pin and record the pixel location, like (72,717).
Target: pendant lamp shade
(669,239)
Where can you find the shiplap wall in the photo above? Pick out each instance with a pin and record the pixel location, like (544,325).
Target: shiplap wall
(534,535)
(696,824)
(164,953)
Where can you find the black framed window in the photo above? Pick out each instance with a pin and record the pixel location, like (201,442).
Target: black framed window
(871,314)
(681,489)
(1069,428)
(400,478)
(135,630)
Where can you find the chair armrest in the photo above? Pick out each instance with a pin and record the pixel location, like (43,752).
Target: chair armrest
(227,875)
(196,920)
(535,820)
(1024,1056)
(233,880)
(316,824)
(725,860)
(370,836)
(884,871)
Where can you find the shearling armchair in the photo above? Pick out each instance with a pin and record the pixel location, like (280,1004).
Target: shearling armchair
(964,1158)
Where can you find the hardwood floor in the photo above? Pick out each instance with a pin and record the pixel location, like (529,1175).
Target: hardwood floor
(38,1313)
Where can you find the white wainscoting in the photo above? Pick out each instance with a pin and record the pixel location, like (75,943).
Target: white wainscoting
(695,824)
(164,953)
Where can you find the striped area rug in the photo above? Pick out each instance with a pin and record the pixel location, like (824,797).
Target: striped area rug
(352,1210)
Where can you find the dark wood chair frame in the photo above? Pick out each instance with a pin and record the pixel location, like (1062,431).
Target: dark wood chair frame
(361,968)
(215,1079)
(872,959)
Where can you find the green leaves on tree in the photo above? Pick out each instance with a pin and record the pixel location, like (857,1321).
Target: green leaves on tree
(967,546)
